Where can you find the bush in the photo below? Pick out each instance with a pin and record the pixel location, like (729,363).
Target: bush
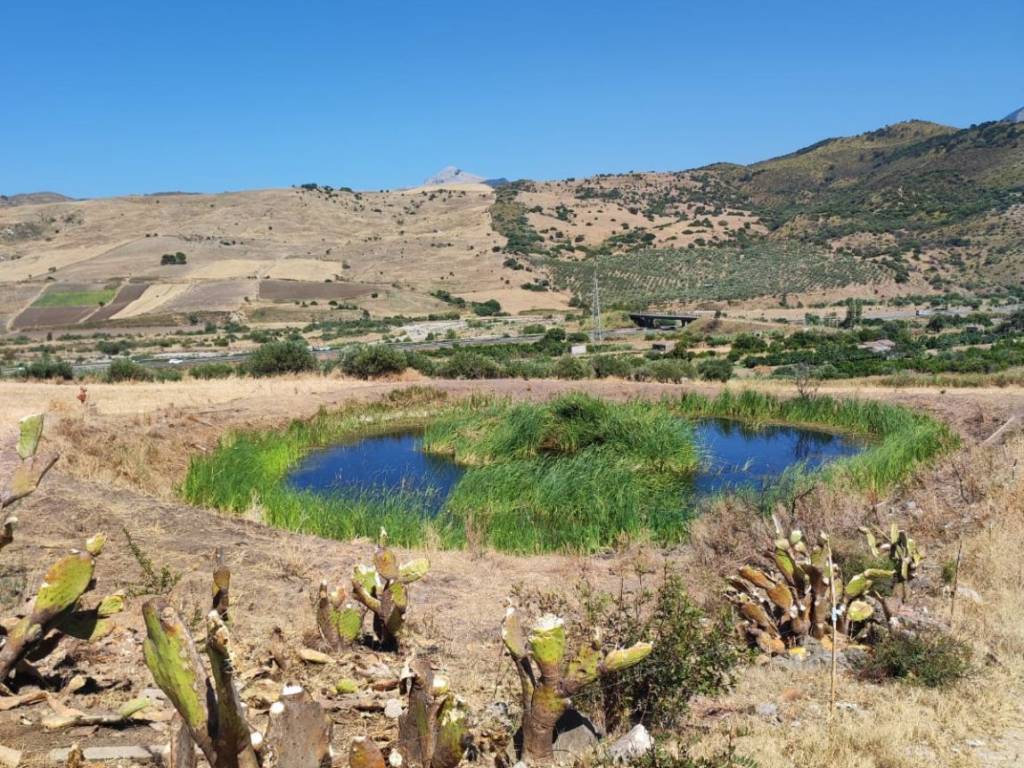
(421,362)
(693,654)
(49,368)
(276,357)
(666,370)
(124,369)
(470,365)
(568,367)
(714,369)
(610,365)
(487,308)
(212,371)
(372,360)
(165,374)
(934,661)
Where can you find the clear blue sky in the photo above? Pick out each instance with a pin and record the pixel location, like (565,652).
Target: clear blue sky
(102,97)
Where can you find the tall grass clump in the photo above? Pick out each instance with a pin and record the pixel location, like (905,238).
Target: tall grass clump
(899,439)
(576,473)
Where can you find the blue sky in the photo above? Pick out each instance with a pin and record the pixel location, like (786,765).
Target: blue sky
(101,97)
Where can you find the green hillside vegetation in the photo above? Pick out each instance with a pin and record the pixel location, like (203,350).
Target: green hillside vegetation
(915,198)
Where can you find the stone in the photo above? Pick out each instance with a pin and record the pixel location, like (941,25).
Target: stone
(393,709)
(767,709)
(575,734)
(632,746)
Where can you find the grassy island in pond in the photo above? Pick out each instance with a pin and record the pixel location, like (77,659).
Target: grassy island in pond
(572,474)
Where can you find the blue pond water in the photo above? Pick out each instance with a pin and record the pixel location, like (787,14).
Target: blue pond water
(735,455)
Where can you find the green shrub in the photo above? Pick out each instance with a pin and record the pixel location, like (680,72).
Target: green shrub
(666,370)
(276,357)
(124,369)
(371,360)
(423,363)
(487,308)
(166,374)
(933,660)
(568,367)
(693,655)
(714,369)
(470,365)
(49,368)
(212,371)
(610,365)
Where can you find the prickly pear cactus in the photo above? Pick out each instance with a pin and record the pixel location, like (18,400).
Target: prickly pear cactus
(210,712)
(381,588)
(899,548)
(548,682)
(56,607)
(781,608)
(28,471)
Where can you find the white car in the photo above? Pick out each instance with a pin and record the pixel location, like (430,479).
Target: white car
(175,361)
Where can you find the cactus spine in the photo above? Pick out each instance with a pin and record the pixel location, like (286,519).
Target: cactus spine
(547,691)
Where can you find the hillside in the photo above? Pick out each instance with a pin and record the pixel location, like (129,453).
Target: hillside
(910,209)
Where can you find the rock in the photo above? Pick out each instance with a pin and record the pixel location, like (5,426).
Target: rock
(393,709)
(767,709)
(848,706)
(575,734)
(975,743)
(632,746)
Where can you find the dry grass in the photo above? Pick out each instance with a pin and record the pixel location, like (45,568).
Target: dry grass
(898,725)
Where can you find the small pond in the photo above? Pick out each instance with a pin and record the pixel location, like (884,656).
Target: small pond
(735,455)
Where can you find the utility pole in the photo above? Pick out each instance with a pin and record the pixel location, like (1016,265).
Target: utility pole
(595,306)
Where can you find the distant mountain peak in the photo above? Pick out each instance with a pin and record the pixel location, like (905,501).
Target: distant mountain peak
(1015,117)
(452,175)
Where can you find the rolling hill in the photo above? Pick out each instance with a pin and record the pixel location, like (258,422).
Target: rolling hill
(911,208)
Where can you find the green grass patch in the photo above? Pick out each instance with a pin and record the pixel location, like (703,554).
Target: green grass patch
(54,297)
(574,474)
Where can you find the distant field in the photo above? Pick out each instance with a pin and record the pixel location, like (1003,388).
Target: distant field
(55,297)
(294,290)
